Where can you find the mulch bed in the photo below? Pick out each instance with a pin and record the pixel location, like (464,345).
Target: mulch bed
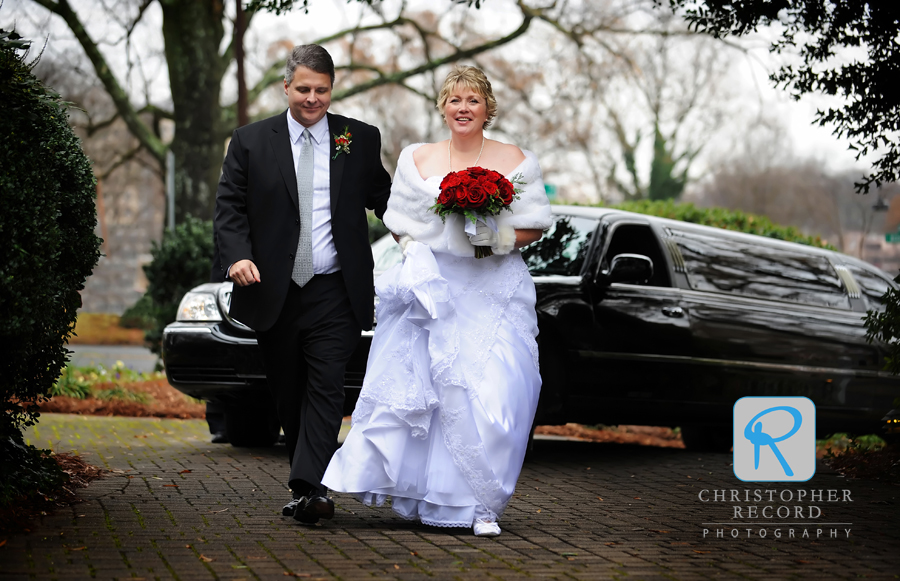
(165,402)
(642,435)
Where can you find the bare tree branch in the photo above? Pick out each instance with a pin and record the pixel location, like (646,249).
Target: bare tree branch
(120,161)
(458,55)
(123,105)
(93,128)
(228,53)
(141,9)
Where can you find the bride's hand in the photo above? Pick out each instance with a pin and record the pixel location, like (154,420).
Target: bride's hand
(403,241)
(483,235)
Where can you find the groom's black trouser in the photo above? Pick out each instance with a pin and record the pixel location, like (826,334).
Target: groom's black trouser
(305,354)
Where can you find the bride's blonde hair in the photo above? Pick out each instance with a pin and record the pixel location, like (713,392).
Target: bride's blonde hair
(475,79)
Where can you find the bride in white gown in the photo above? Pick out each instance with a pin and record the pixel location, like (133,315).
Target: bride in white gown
(452,381)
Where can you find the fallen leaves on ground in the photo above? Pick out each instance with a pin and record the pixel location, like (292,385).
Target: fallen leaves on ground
(642,435)
(882,464)
(18,515)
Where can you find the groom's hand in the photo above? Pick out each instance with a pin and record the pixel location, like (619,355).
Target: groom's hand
(243,273)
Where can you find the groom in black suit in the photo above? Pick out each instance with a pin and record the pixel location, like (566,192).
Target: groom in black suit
(293,236)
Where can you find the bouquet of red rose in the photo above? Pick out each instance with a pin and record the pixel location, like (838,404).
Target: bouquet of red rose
(476,193)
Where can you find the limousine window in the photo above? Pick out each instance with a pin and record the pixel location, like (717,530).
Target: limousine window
(562,249)
(638,239)
(755,270)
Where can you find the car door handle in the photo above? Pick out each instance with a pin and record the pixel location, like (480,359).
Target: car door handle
(673,312)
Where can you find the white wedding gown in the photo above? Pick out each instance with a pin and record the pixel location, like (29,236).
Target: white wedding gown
(452,381)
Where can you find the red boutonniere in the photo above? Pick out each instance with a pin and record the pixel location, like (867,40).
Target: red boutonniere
(342,142)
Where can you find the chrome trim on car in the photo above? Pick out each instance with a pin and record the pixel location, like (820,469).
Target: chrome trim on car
(232,339)
(849,282)
(675,253)
(175,328)
(557,279)
(766,304)
(223,297)
(736,364)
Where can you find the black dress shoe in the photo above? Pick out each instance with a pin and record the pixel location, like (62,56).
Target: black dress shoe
(219,438)
(313,508)
(289,508)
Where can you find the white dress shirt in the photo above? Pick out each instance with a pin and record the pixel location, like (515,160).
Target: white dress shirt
(325,258)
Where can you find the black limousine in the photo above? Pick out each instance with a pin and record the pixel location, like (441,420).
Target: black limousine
(643,320)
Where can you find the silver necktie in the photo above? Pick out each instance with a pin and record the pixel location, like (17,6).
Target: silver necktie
(303,267)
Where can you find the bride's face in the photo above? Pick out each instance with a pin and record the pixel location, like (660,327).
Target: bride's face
(465,111)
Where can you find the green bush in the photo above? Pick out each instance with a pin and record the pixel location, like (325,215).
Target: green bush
(884,326)
(139,315)
(47,221)
(722,218)
(182,261)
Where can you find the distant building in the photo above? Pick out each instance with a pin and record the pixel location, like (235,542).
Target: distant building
(132,200)
(875,250)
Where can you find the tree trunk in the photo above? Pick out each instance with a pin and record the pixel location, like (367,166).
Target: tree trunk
(193,32)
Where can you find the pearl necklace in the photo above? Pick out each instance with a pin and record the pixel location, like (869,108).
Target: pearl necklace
(450,162)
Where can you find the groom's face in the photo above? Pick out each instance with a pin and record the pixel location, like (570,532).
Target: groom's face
(309,95)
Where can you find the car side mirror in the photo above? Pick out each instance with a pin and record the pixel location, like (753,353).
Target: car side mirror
(630,269)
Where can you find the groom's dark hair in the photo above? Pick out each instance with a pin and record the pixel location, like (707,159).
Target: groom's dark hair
(311,56)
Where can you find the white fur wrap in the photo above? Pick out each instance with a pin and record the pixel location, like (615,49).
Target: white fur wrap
(408,211)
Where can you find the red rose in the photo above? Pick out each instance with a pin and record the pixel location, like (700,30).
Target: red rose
(505,191)
(476,196)
(451,180)
(486,182)
(489,188)
(477,171)
(446,197)
(495,177)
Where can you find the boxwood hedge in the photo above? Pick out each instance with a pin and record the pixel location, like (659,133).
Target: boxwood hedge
(723,218)
(47,220)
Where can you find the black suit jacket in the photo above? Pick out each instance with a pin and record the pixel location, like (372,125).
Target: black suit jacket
(258,217)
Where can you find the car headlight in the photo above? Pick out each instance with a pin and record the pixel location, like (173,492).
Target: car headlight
(198,306)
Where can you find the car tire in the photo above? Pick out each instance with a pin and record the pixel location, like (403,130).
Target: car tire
(700,438)
(551,407)
(251,425)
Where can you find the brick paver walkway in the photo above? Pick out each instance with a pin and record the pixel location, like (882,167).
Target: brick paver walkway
(176,507)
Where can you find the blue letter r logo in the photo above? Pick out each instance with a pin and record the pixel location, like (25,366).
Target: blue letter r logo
(760,438)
